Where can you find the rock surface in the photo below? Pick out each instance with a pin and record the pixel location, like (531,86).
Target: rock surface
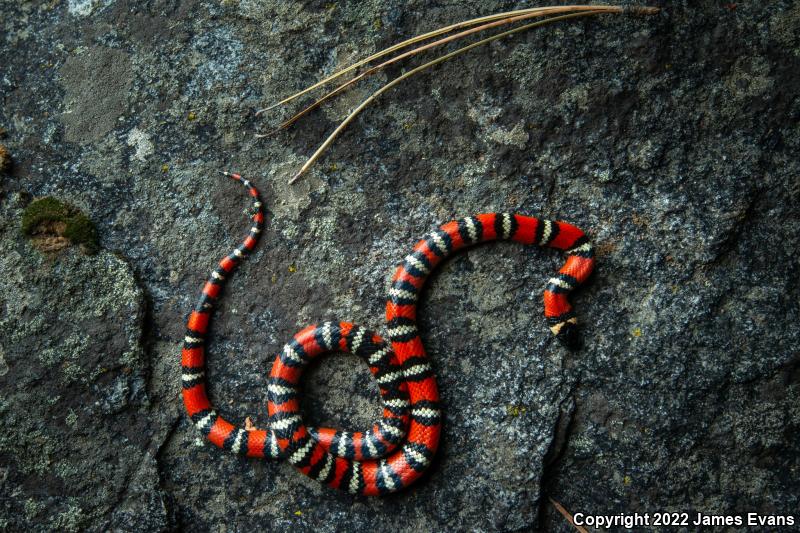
(672,140)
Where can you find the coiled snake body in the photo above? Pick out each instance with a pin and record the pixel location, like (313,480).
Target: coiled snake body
(397,449)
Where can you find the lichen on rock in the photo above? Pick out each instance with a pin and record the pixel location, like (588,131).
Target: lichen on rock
(73,394)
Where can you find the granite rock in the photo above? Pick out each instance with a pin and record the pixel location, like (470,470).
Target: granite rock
(669,139)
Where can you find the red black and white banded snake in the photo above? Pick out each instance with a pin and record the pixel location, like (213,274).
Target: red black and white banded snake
(399,447)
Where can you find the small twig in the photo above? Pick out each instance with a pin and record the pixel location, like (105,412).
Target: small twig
(642,10)
(566,514)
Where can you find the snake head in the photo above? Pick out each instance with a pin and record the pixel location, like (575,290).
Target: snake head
(569,336)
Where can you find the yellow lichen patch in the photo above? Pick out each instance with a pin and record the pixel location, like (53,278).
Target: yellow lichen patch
(292,269)
(192,116)
(637,332)
(516,410)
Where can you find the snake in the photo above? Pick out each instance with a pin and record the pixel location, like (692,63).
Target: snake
(398,449)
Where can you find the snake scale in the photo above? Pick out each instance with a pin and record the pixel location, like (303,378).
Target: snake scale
(397,449)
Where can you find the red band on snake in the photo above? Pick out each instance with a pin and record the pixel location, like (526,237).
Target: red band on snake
(400,447)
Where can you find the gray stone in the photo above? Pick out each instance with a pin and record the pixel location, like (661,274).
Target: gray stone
(671,140)
(75,410)
(97,83)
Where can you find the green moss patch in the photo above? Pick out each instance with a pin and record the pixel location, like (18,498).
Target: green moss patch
(53,225)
